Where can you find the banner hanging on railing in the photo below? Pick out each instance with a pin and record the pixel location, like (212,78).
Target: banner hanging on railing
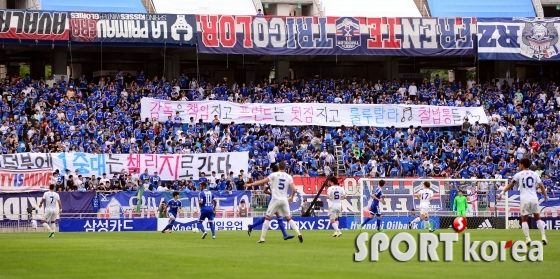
(231,34)
(169,167)
(304,114)
(133,28)
(34,25)
(518,39)
(13,206)
(25,180)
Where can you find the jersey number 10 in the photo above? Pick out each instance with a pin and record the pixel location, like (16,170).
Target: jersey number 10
(528,182)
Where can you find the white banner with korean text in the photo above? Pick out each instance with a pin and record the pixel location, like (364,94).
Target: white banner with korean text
(169,167)
(303,114)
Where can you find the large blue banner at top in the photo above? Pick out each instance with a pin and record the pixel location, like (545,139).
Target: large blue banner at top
(133,28)
(335,35)
(518,39)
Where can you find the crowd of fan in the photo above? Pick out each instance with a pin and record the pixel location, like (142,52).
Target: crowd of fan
(103,117)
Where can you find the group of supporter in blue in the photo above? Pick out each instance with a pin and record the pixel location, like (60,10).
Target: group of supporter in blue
(103,117)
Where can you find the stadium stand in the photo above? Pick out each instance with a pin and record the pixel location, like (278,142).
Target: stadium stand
(215,7)
(59,111)
(481,8)
(121,6)
(371,8)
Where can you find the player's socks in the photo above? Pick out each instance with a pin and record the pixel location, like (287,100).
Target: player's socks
(540,225)
(47,227)
(416,220)
(282,227)
(365,221)
(335,227)
(264,229)
(378,223)
(427,224)
(213,228)
(294,226)
(201,227)
(258,222)
(53,227)
(525,228)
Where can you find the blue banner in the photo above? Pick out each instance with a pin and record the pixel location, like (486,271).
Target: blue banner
(547,208)
(133,28)
(123,203)
(336,35)
(518,39)
(391,223)
(13,206)
(108,225)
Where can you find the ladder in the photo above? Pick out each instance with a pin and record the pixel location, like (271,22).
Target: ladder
(339,156)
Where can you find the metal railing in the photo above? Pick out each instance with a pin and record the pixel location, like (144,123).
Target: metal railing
(320,7)
(538,8)
(426,10)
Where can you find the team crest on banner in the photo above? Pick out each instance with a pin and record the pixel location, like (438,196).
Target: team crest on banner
(539,40)
(348,33)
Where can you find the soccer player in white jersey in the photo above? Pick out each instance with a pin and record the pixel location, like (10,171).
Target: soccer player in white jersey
(53,207)
(528,181)
(336,194)
(425,196)
(279,183)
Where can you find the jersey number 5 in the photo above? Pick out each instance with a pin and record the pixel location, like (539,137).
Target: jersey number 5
(528,182)
(282,184)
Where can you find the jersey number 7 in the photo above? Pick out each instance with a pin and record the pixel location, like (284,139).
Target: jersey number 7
(52,200)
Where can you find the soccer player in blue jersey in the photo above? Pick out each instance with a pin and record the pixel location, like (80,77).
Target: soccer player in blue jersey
(173,206)
(280,219)
(207,209)
(377,197)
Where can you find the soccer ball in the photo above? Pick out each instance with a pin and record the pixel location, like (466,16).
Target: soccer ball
(194,230)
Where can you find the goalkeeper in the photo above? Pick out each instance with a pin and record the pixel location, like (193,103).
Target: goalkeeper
(460,204)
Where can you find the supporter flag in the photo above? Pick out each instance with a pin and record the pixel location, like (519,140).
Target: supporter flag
(139,196)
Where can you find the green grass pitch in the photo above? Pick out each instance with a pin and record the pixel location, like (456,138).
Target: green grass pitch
(235,255)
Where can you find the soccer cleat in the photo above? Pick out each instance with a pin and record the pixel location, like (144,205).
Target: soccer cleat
(381,231)
(300,237)
(162,231)
(250,229)
(288,237)
(260,241)
(204,235)
(527,241)
(360,228)
(410,226)
(335,234)
(431,230)
(544,241)
(169,231)
(51,234)
(213,237)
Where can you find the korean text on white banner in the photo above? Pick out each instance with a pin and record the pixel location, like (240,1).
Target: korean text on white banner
(169,167)
(303,114)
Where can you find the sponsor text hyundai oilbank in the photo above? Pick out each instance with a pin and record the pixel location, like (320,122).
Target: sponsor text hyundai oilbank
(424,247)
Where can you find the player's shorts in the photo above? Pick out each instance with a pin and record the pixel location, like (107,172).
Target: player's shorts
(528,208)
(374,210)
(334,212)
(171,215)
(424,208)
(50,216)
(279,206)
(462,213)
(206,215)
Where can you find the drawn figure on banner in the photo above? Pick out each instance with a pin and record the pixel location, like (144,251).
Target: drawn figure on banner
(181,25)
(539,40)
(405,111)
(348,33)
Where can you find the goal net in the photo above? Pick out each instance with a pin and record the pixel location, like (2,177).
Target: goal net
(401,205)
